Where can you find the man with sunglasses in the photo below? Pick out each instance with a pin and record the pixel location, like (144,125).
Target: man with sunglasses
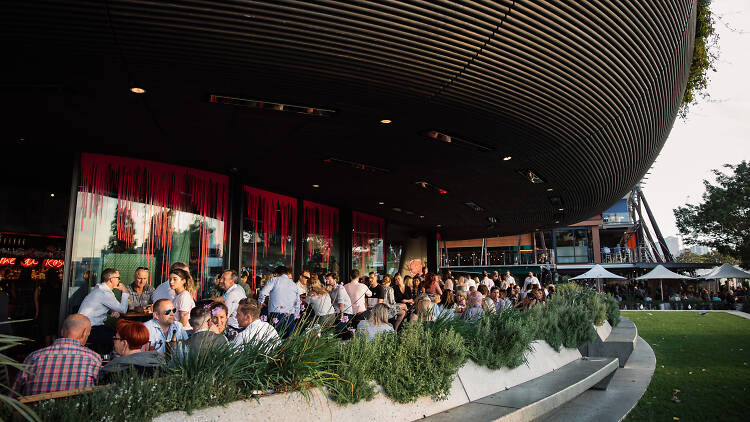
(163,328)
(302,282)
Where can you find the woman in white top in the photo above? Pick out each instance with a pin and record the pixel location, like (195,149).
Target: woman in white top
(377,322)
(184,299)
(318,298)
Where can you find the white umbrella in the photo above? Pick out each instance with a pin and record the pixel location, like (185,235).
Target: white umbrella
(661,273)
(597,272)
(727,271)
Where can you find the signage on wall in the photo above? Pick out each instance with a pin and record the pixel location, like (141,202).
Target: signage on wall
(31,262)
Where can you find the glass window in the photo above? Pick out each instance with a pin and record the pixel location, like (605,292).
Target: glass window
(322,237)
(367,243)
(120,224)
(269,234)
(573,246)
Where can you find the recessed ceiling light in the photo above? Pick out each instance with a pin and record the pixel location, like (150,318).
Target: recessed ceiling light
(421,216)
(316,186)
(386,121)
(137,90)
(507,158)
(557,221)
(561,209)
(439,225)
(381,203)
(396,209)
(549,189)
(52,195)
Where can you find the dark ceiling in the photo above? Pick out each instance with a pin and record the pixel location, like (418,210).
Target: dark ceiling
(583,94)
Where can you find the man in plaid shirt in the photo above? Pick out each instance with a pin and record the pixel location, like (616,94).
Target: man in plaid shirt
(65,365)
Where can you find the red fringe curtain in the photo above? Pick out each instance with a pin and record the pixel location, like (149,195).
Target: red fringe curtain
(262,208)
(164,189)
(322,221)
(366,229)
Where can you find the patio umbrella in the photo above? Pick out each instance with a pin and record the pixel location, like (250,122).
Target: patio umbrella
(597,272)
(661,273)
(725,271)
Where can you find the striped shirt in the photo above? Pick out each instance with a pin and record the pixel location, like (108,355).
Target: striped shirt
(65,365)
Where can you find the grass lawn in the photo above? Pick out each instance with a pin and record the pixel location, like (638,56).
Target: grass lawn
(702,366)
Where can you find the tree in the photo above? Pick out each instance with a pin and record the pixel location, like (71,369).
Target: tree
(118,242)
(712,257)
(705,54)
(722,220)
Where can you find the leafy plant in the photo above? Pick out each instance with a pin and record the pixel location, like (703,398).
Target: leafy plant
(613,310)
(705,54)
(11,404)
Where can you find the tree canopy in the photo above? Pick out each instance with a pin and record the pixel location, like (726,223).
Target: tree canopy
(722,220)
(712,257)
(705,54)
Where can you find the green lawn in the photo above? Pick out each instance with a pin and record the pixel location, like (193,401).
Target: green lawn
(702,366)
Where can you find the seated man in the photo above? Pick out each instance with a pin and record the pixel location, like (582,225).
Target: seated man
(253,329)
(100,301)
(163,328)
(65,365)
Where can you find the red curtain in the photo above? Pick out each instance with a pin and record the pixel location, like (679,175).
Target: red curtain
(321,221)
(164,188)
(278,216)
(367,228)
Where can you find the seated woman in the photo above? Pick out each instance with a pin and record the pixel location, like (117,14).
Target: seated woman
(320,301)
(474,307)
(402,291)
(376,323)
(202,338)
(447,304)
(131,344)
(385,294)
(423,310)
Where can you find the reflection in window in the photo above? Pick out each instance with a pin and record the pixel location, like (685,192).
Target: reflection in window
(367,243)
(573,246)
(321,242)
(133,213)
(269,233)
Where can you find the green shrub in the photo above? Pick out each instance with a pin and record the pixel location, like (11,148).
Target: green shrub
(501,339)
(417,362)
(561,324)
(613,310)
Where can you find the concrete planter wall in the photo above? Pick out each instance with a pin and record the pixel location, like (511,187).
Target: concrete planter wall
(472,382)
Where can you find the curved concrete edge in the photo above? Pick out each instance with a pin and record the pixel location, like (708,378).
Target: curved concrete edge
(295,406)
(625,390)
(603,330)
(480,381)
(559,398)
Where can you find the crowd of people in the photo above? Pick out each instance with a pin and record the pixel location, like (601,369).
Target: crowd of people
(90,350)
(685,292)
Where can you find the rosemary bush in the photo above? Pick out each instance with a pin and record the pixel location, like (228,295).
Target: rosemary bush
(613,310)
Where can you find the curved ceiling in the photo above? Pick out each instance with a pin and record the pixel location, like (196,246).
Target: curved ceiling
(582,94)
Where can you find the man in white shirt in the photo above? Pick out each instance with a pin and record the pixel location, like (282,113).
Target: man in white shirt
(253,329)
(508,281)
(487,282)
(233,294)
(470,283)
(98,303)
(284,301)
(530,280)
(357,293)
(163,328)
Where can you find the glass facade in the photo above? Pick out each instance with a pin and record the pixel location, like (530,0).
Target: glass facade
(120,224)
(321,242)
(268,236)
(367,243)
(618,213)
(573,246)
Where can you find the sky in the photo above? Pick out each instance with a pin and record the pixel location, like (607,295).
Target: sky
(716,131)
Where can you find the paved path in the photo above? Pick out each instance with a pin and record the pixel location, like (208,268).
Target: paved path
(624,391)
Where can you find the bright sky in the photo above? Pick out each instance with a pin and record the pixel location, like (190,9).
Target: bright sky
(716,132)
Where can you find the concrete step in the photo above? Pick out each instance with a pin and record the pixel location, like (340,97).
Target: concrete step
(537,397)
(619,344)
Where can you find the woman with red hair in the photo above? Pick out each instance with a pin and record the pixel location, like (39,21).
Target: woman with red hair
(132,347)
